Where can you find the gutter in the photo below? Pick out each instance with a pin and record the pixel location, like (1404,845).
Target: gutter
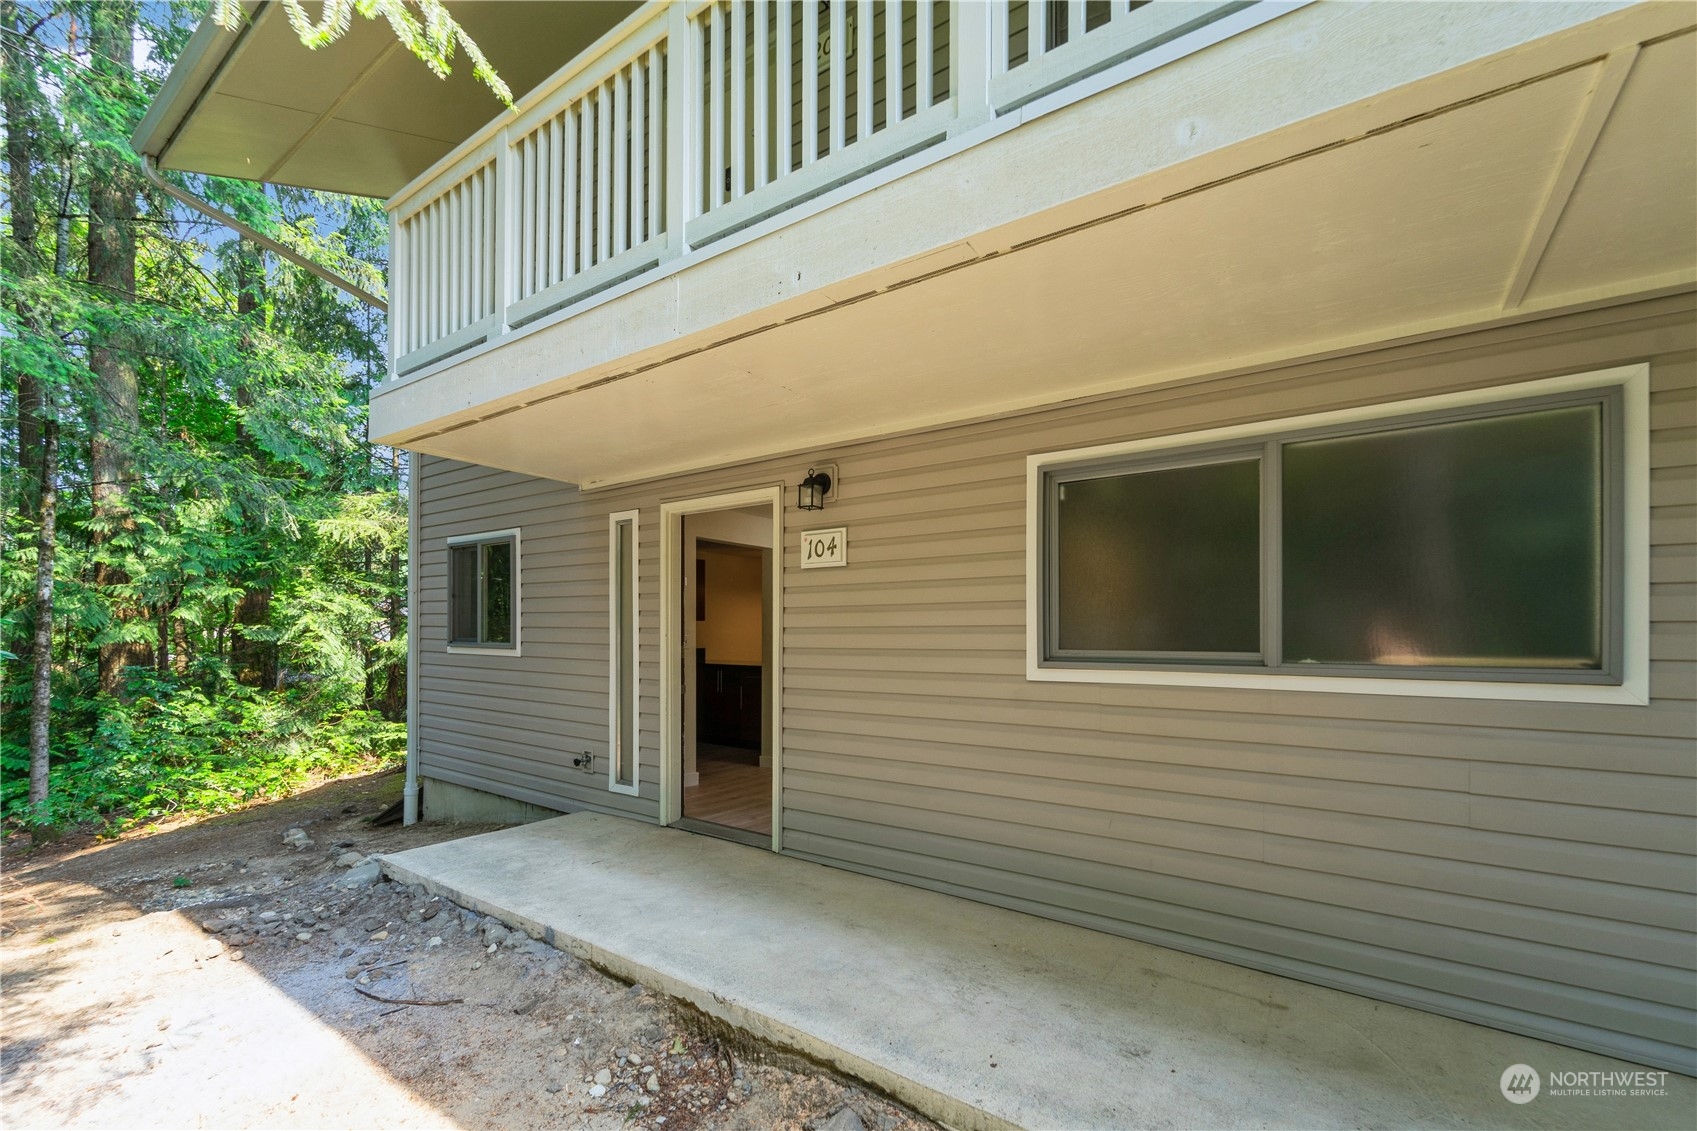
(149,165)
(409,796)
(192,73)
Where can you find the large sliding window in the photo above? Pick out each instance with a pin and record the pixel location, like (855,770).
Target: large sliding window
(483,591)
(623,703)
(1481,543)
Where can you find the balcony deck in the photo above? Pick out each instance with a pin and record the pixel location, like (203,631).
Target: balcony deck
(1142,204)
(689,122)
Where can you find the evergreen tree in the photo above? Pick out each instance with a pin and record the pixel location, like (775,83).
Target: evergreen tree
(202,597)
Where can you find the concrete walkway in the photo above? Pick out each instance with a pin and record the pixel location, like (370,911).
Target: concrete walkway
(981,1017)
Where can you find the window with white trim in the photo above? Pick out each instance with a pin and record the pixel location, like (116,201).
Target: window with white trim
(483,591)
(623,702)
(1480,542)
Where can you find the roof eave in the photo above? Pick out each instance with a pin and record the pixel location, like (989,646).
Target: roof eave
(192,74)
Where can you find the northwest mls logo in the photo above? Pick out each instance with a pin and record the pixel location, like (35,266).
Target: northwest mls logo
(1629,1082)
(1520,1084)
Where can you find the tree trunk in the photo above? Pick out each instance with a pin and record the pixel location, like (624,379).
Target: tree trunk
(62,231)
(41,702)
(112,267)
(23,145)
(19,96)
(180,651)
(395,693)
(253,661)
(396,685)
(37,465)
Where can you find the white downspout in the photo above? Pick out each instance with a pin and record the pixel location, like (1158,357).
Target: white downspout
(409,802)
(150,167)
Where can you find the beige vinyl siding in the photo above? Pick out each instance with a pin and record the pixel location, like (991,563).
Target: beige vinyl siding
(1525,864)
(512,724)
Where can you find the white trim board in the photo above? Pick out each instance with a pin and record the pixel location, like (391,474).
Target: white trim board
(1634,689)
(615,686)
(671,613)
(415,563)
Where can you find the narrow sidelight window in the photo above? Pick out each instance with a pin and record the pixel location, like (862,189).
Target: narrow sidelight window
(483,591)
(623,742)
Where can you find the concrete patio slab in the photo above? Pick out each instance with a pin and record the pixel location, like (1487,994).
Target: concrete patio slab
(982,1017)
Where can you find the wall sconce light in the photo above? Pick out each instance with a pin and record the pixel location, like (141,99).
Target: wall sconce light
(810,492)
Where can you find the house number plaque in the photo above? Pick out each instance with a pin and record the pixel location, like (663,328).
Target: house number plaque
(821,548)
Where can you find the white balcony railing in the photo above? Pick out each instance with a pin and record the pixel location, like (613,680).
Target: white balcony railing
(692,120)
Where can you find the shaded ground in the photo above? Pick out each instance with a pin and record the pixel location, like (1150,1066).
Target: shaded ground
(218,976)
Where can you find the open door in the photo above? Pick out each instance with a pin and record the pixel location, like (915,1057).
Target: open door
(720,753)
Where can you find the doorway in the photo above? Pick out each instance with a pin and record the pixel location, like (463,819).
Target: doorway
(720,756)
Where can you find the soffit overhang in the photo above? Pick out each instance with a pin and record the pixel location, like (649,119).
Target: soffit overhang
(360,116)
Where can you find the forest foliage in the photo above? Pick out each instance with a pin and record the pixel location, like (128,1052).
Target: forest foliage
(183,431)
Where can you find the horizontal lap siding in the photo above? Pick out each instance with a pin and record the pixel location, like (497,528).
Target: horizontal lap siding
(1529,864)
(507,724)
(1526,864)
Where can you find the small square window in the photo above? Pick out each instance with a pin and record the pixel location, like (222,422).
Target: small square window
(483,591)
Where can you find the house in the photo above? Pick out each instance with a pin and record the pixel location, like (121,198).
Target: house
(1219,473)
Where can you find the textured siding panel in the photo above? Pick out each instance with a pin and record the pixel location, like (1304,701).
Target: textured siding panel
(512,724)
(1526,864)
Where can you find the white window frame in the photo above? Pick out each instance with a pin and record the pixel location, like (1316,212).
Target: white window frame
(515,648)
(615,686)
(1633,689)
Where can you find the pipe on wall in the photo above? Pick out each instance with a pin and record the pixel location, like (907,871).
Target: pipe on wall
(409,796)
(212,212)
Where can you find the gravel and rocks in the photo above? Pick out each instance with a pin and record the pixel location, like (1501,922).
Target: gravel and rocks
(361,875)
(269,953)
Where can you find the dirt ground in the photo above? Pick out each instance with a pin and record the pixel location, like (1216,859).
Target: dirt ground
(218,975)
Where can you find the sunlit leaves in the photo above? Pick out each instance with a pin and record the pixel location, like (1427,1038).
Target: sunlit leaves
(424,27)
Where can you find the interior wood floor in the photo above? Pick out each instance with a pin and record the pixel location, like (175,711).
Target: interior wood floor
(732,792)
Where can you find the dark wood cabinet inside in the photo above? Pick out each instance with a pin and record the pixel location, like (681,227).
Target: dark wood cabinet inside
(727,702)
